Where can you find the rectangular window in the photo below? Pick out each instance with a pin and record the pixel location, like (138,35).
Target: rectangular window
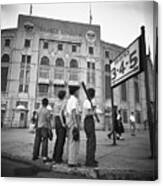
(91,51)
(46,45)
(93,66)
(91,77)
(88,64)
(43,88)
(7,42)
(21,77)
(26,88)
(27,43)
(106,54)
(73,48)
(28,59)
(23,58)
(138,117)
(123,92)
(88,77)
(4,74)
(125,117)
(60,47)
(137,98)
(107,87)
(27,77)
(20,88)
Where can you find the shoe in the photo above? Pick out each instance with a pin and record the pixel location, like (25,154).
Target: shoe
(35,158)
(95,161)
(91,164)
(121,138)
(46,159)
(59,162)
(72,165)
(109,136)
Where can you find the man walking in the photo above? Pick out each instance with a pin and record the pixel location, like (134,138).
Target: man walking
(132,124)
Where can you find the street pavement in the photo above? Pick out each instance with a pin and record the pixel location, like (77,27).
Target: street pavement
(129,159)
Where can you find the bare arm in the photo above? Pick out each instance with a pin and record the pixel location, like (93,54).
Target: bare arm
(74,118)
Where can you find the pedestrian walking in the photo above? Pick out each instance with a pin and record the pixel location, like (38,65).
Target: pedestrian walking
(60,127)
(115,128)
(89,127)
(132,124)
(34,122)
(43,132)
(120,128)
(72,122)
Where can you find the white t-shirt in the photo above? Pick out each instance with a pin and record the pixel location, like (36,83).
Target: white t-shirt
(72,104)
(87,106)
(132,118)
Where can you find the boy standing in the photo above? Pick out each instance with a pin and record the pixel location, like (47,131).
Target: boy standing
(43,132)
(89,127)
(72,121)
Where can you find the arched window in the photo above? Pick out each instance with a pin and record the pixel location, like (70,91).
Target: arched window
(73,63)
(44,61)
(5,58)
(59,62)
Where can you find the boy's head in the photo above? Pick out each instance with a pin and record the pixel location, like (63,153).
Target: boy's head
(61,94)
(91,93)
(45,102)
(74,90)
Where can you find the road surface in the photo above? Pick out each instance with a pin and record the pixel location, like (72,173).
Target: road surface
(10,168)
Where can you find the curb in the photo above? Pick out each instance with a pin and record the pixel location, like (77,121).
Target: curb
(88,173)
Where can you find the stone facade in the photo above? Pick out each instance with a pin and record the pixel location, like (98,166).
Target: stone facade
(46,55)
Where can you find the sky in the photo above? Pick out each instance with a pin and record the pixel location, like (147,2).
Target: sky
(120,21)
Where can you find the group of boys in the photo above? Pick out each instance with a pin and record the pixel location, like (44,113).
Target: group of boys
(67,122)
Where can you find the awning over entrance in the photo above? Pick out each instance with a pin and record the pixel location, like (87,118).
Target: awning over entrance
(21,108)
(58,82)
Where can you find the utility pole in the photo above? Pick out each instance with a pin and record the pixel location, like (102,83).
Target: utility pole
(30,10)
(147,88)
(113,109)
(90,15)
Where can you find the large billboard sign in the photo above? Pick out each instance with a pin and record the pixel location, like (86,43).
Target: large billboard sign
(127,64)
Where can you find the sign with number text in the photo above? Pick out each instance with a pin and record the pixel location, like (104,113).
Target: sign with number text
(126,65)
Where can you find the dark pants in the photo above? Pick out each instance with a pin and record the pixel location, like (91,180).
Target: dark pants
(89,128)
(41,137)
(60,141)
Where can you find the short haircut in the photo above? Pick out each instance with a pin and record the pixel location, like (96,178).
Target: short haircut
(61,94)
(73,89)
(34,112)
(45,102)
(91,92)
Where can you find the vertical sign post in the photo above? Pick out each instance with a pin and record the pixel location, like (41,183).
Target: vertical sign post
(113,117)
(148,103)
(113,112)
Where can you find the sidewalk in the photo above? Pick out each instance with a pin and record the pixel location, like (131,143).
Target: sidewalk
(129,159)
